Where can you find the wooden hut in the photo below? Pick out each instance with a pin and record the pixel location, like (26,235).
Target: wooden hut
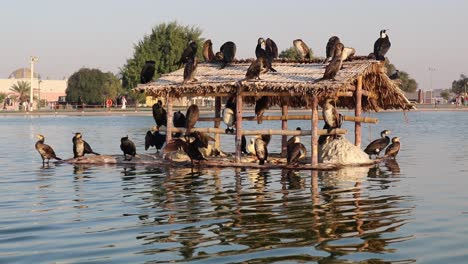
(361,84)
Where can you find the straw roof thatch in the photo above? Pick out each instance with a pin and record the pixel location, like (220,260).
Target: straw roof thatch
(298,79)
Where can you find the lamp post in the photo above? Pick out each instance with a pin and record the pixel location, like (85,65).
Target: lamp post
(32,59)
(39,94)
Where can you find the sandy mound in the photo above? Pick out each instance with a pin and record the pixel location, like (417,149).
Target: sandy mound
(341,151)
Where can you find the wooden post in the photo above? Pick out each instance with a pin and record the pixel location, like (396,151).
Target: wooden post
(238,124)
(217,122)
(314,128)
(358,111)
(169,117)
(284,126)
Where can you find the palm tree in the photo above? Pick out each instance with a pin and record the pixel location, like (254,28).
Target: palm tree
(22,88)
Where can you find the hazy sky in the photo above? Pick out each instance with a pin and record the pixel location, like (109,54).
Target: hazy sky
(68,35)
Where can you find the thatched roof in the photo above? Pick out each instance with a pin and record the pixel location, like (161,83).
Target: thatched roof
(299,79)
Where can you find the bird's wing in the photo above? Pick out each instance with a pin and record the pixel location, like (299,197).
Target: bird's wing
(148,139)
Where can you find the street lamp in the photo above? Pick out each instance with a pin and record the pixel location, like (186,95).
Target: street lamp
(32,59)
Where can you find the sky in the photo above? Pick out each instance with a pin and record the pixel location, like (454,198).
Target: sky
(68,35)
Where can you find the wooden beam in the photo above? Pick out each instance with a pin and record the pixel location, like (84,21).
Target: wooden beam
(314,127)
(217,120)
(284,126)
(212,130)
(169,114)
(239,106)
(358,111)
(297,117)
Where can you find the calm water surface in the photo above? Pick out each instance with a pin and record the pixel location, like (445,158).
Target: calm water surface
(412,210)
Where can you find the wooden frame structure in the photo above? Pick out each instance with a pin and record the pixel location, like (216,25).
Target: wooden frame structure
(361,84)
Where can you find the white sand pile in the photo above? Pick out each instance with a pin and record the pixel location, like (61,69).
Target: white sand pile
(341,151)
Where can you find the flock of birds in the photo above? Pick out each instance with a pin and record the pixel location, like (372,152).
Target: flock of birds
(193,142)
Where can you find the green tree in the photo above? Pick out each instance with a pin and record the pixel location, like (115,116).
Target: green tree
(2,96)
(291,53)
(93,86)
(22,88)
(445,94)
(461,85)
(164,45)
(408,84)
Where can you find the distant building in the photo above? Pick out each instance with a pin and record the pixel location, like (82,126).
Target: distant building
(45,89)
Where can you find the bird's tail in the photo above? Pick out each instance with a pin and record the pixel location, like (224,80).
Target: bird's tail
(95,153)
(57,158)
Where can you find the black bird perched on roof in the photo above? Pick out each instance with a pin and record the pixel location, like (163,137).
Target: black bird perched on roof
(208,54)
(331,48)
(393,149)
(302,49)
(191,117)
(260,52)
(229,114)
(228,51)
(81,147)
(260,106)
(190,69)
(154,138)
(335,65)
(179,121)
(45,150)
(257,67)
(128,147)
(147,72)
(189,52)
(376,146)
(271,49)
(261,151)
(295,151)
(382,45)
(159,114)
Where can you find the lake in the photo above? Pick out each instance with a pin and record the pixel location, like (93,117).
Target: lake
(411,210)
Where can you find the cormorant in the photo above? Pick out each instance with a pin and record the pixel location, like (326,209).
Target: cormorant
(229,114)
(154,139)
(335,65)
(382,45)
(159,114)
(376,146)
(190,69)
(191,148)
(228,51)
(147,72)
(179,121)
(208,54)
(45,150)
(191,117)
(295,151)
(293,138)
(128,147)
(331,48)
(260,52)
(257,67)
(81,147)
(393,149)
(330,115)
(251,146)
(260,106)
(189,52)
(261,151)
(266,139)
(348,53)
(244,145)
(302,49)
(271,49)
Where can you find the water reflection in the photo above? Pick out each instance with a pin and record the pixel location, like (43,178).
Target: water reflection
(220,213)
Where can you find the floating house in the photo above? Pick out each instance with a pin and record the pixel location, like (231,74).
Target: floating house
(361,84)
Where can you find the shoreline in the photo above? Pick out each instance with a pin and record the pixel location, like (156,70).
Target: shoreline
(147,111)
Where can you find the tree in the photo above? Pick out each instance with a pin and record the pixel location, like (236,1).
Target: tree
(445,94)
(164,45)
(22,88)
(407,84)
(2,96)
(93,86)
(460,86)
(291,53)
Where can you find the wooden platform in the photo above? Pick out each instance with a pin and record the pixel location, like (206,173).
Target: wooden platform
(247,161)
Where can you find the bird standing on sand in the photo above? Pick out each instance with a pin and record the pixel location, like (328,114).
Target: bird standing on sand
(154,138)
(128,147)
(81,147)
(376,146)
(393,149)
(302,49)
(45,150)
(381,46)
(159,114)
(147,72)
(331,48)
